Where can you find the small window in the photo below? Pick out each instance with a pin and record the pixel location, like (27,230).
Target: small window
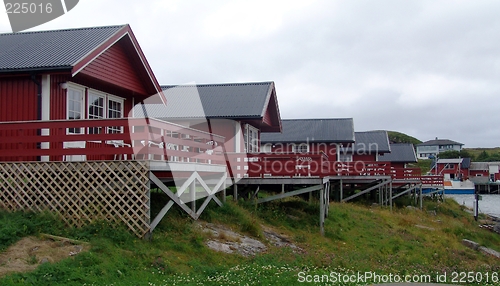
(450,166)
(301,148)
(251,139)
(345,158)
(96,110)
(115,110)
(75,107)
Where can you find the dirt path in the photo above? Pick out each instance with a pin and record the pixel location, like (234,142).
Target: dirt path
(28,253)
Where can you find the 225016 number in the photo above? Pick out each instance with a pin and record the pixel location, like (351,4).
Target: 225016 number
(28,8)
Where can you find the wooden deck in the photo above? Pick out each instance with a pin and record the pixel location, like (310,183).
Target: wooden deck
(97,174)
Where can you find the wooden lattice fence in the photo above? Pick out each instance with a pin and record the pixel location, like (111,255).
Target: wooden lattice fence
(80,192)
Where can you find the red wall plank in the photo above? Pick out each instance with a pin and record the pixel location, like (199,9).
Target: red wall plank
(18,102)
(116,67)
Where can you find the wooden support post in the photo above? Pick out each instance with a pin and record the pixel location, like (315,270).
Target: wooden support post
(254,196)
(224,186)
(390,194)
(193,195)
(328,190)
(341,190)
(322,211)
(282,188)
(235,192)
(421,196)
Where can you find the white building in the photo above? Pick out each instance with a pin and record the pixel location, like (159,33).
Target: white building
(433,147)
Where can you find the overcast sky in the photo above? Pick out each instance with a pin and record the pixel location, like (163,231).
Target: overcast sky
(426,68)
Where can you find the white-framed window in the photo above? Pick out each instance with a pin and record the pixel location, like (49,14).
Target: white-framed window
(251,138)
(99,105)
(115,110)
(301,148)
(345,157)
(96,109)
(74,108)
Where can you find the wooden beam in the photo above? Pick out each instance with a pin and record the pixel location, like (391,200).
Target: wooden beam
(384,182)
(171,195)
(290,194)
(322,211)
(256,193)
(160,215)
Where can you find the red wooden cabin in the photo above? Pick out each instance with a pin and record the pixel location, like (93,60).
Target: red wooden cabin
(68,95)
(369,146)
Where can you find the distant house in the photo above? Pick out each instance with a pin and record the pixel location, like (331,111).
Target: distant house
(240,112)
(400,155)
(455,169)
(368,146)
(301,136)
(482,172)
(432,148)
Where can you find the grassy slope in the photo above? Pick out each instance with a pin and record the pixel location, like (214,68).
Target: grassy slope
(357,238)
(476,151)
(398,137)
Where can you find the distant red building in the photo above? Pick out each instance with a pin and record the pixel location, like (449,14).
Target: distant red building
(454,169)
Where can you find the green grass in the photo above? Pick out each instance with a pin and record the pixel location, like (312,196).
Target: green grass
(424,165)
(398,137)
(476,151)
(357,238)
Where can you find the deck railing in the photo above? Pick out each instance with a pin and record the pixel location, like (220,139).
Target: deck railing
(262,165)
(156,140)
(432,180)
(108,139)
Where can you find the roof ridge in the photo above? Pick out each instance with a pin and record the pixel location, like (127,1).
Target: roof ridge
(316,119)
(371,131)
(64,30)
(218,84)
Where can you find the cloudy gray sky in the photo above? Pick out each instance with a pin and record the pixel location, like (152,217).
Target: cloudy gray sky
(426,68)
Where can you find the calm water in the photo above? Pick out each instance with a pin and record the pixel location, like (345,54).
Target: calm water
(489,205)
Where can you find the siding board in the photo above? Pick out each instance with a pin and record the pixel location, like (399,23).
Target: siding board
(18,101)
(116,67)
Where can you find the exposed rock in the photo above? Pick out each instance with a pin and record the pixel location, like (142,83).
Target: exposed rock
(44,260)
(489,251)
(470,244)
(485,250)
(424,227)
(219,246)
(496,228)
(227,241)
(279,240)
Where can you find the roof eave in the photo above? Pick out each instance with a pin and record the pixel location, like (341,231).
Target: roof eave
(84,61)
(310,141)
(37,70)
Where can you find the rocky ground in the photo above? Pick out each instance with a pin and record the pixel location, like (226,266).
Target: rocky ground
(228,241)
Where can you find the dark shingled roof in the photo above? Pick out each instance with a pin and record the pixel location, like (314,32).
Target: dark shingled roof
(372,142)
(439,142)
(340,130)
(231,100)
(401,153)
(466,163)
(49,50)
